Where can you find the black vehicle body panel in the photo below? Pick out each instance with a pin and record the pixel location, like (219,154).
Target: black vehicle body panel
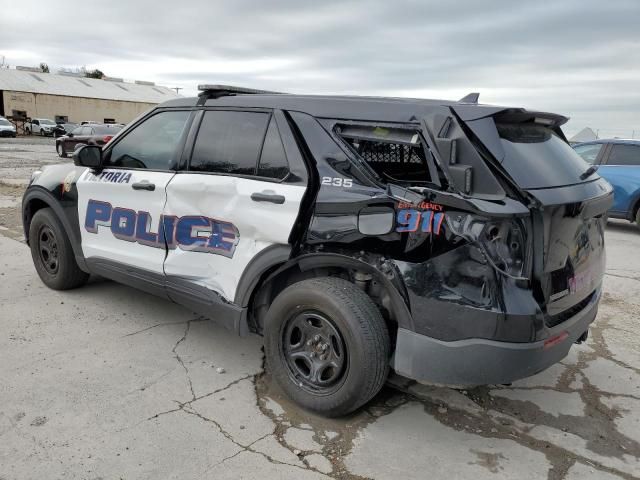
(55,188)
(461,317)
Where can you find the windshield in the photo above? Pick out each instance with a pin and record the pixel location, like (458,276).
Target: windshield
(4,122)
(46,122)
(536,157)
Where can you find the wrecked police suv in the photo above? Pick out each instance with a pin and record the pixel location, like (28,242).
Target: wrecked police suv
(452,242)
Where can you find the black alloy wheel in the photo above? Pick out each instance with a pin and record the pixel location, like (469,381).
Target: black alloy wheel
(48,249)
(314,352)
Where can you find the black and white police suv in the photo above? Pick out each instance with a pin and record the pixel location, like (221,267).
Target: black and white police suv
(452,242)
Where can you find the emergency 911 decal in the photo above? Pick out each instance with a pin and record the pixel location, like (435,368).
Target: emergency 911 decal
(426,217)
(189,233)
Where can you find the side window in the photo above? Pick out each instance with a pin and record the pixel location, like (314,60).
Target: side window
(589,153)
(77,131)
(36,122)
(624,155)
(153,144)
(85,131)
(273,161)
(229,142)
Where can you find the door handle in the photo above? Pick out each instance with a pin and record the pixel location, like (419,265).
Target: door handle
(144,186)
(267,197)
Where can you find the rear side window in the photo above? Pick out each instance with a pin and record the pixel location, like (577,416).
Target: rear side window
(394,154)
(589,153)
(229,142)
(624,155)
(536,157)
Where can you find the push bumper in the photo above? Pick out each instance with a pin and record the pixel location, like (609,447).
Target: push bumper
(484,362)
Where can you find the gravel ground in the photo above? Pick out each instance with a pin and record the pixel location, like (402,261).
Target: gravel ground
(107,382)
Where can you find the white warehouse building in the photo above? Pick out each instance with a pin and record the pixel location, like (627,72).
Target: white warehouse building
(74,98)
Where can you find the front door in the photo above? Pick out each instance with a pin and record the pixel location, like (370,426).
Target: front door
(120,208)
(236,199)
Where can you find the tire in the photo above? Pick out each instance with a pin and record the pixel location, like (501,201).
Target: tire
(638,216)
(335,320)
(52,253)
(61,151)
(41,133)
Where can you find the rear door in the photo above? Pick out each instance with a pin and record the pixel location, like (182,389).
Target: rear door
(236,197)
(119,208)
(622,170)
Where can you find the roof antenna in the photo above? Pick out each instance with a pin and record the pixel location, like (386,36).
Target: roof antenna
(471,98)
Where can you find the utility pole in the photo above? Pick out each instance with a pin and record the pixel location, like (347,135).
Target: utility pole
(177,89)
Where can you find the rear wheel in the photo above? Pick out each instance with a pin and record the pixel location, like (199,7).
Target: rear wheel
(60,149)
(638,216)
(327,345)
(52,252)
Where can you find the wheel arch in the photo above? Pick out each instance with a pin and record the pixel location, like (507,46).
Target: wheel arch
(36,199)
(385,287)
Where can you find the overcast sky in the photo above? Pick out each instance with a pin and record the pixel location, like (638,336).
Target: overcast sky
(580,58)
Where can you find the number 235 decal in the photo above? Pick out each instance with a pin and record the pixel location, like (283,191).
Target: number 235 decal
(337,182)
(427,221)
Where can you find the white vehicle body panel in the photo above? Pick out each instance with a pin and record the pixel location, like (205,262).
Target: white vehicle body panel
(228,199)
(98,239)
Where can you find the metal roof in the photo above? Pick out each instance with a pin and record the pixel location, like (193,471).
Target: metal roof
(75,86)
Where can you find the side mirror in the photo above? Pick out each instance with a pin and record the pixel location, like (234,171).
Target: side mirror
(69,134)
(88,156)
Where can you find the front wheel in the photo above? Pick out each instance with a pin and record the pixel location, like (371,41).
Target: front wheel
(52,252)
(327,345)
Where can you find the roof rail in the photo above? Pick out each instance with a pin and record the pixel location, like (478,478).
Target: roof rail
(217,91)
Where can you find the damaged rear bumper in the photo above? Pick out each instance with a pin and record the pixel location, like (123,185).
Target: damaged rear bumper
(482,362)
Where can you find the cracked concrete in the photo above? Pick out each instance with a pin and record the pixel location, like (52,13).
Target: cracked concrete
(108,382)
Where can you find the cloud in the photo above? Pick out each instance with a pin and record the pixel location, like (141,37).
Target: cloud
(575,57)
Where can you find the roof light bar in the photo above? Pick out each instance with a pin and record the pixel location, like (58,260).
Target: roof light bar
(215,91)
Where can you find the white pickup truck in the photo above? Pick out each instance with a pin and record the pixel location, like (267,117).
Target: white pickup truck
(42,126)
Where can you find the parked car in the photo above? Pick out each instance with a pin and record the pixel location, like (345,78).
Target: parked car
(452,242)
(40,126)
(92,134)
(63,129)
(7,129)
(618,161)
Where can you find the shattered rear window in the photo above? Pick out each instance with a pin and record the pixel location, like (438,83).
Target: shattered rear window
(394,154)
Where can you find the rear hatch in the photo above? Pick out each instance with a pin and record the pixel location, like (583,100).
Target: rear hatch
(567,201)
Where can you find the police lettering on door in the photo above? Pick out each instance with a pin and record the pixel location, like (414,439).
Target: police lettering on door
(191,233)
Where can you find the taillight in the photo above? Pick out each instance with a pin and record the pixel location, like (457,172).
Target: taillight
(106,138)
(503,242)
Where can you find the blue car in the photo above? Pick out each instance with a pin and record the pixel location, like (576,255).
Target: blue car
(618,161)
